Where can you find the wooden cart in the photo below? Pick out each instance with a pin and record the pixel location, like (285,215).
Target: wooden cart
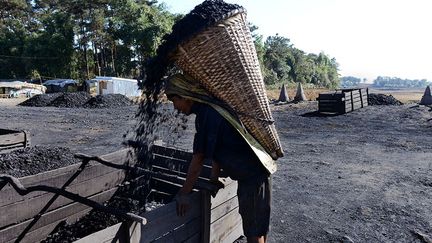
(32,217)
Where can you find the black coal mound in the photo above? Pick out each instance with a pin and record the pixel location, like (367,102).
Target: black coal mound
(34,160)
(108,101)
(71,100)
(41,100)
(382,99)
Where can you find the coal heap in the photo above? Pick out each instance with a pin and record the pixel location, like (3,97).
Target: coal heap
(34,160)
(78,99)
(108,101)
(382,99)
(71,100)
(41,100)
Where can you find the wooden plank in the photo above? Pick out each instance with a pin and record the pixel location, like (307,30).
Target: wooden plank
(182,233)
(356,99)
(52,218)
(331,96)
(223,209)
(23,210)
(171,152)
(41,233)
(126,232)
(196,238)
(115,233)
(331,106)
(204,175)
(175,164)
(224,194)
(164,219)
(165,186)
(227,228)
(12,138)
(159,196)
(205,216)
(57,178)
(357,106)
(170,163)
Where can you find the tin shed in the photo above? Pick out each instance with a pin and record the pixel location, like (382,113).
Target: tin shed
(113,85)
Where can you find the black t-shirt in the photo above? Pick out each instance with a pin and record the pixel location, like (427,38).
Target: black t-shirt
(218,140)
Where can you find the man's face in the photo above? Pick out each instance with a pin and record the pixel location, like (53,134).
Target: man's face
(182,105)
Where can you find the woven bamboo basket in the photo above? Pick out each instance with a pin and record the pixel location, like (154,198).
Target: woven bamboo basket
(224,60)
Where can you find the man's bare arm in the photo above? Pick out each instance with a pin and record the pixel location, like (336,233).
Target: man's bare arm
(191,177)
(193,173)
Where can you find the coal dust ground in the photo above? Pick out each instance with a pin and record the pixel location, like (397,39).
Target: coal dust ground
(365,176)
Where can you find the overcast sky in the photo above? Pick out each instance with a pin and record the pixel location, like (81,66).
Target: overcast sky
(368,38)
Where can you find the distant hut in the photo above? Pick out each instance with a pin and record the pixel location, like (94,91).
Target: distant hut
(427,97)
(13,89)
(283,96)
(113,85)
(300,95)
(61,85)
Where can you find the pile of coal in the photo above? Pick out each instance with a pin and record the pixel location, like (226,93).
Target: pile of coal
(34,160)
(108,101)
(41,100)
(382,99)
(78,100)
(71,100)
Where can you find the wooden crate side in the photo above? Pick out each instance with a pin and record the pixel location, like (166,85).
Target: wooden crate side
(41,233)
(171,152)
(23,210)
(115,234)
(224,194)
(181,177)
(165,186)
(165,219)
(224,208)
(196,238)
(176,165)
(330,96)
(57,178)
(50,219)
(226,229)
(13,138)
(357,105)
(182,233)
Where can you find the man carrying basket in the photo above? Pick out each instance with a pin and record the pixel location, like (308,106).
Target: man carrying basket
(218,140)
(220,81)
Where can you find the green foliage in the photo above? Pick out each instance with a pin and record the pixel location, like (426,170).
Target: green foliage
(393,82)
(83,38)
(281,62)
(79,39)
(349,82)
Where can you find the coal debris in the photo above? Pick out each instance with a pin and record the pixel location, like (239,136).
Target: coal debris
(382,99)
(34,160)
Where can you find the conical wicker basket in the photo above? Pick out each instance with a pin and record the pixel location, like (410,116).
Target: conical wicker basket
(224,60)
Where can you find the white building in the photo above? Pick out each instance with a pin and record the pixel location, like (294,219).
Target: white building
(113,85)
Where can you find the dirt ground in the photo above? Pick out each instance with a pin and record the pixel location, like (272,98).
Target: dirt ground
(365,176)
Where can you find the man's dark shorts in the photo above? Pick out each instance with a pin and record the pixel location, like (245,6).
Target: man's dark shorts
(254,195)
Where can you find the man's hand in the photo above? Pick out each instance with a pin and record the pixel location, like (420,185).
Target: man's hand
(219,185)
(183,203)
